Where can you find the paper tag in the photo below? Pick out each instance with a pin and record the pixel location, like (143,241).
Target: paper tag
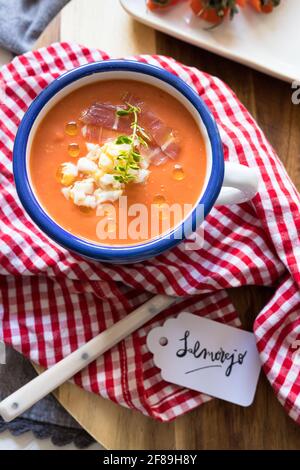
(207,356)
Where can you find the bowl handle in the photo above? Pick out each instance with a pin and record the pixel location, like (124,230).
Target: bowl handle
(240,184)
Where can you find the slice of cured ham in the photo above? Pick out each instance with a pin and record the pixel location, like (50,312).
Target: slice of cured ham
(104,115)
(92,133)
(163,136)
(163,142)
(154,154)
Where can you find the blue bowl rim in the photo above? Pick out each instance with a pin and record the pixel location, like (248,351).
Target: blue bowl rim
(89,248)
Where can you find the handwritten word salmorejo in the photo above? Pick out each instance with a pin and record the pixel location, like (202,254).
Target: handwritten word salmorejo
(211,359)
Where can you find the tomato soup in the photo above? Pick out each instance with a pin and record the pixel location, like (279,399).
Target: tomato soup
(116,141)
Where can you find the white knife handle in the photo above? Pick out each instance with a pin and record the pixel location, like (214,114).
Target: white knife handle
(19,401)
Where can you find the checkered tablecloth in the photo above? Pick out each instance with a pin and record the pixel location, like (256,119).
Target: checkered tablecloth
(53,301)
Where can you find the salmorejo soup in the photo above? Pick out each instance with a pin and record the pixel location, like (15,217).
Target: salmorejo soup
(114,150)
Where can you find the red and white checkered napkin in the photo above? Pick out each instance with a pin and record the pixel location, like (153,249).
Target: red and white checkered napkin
(53,301)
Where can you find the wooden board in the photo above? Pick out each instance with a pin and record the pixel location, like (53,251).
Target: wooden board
(215,425)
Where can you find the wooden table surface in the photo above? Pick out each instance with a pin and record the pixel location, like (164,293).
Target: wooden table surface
(215,425)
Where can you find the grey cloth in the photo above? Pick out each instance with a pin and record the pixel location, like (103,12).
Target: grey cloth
(22,22)
(46,419)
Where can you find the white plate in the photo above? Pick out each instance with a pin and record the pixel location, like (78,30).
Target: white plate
(269,43)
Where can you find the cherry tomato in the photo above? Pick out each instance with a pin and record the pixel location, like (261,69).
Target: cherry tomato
(264,6)
(156,4)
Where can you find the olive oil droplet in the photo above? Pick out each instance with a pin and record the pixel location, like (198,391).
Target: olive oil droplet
(85,209)
(159,200)
(178,174)
(71,128)
(73,150)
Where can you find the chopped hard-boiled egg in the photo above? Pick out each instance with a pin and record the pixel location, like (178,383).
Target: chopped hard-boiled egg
(81,193)
(86,166)
(94,152)
(105,162)
(103,196)
(109,180)
(89,201)
(113,150)
(100,180)
(141,176)
(90,146)
(67,173)
(97,175)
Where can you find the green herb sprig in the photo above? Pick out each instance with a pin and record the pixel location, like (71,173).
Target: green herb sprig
(129,160)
